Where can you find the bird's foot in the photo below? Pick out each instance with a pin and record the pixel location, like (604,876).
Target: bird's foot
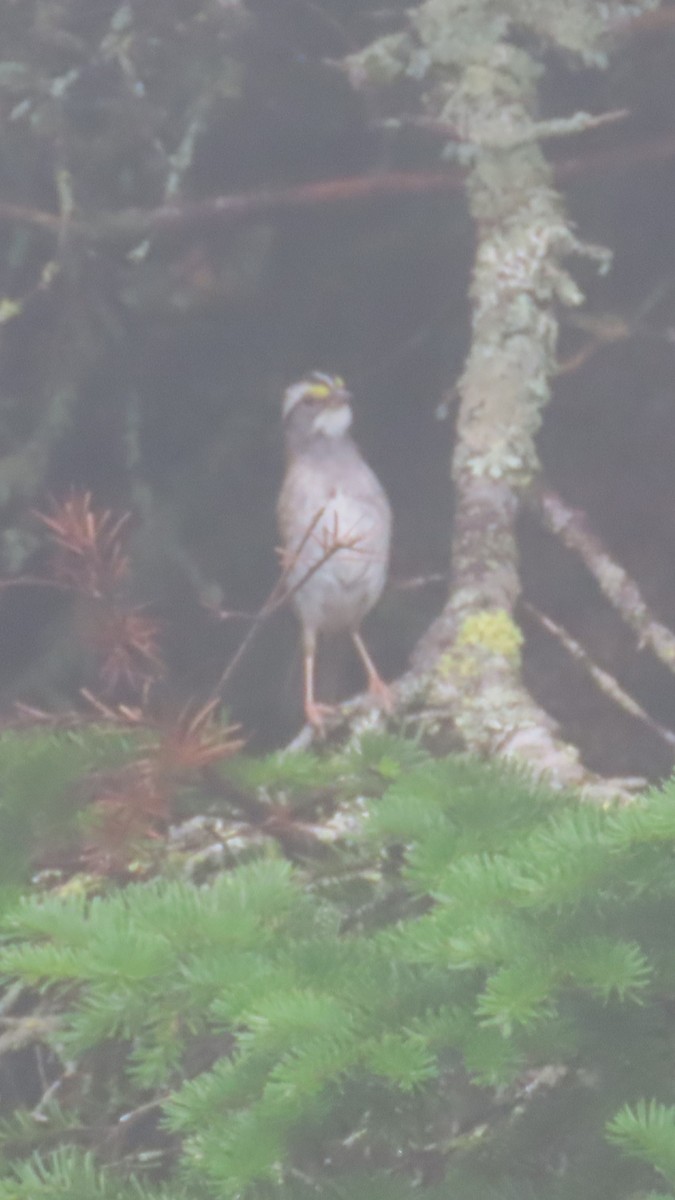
(381,692)
(316,714)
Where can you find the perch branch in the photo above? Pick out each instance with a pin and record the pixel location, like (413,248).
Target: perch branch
(467,667)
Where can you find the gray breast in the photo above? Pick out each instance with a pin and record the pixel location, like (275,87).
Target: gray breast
(335,522)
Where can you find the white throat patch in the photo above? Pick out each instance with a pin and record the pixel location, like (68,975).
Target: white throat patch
(333,422)
(291,397)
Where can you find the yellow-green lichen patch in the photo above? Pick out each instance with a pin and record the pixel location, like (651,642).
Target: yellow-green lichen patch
(493,630)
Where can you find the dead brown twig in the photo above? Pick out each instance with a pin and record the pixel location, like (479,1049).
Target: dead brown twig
(129,225)
(135,801)
(90,560)
(281,593)
(610,329)
(91,554)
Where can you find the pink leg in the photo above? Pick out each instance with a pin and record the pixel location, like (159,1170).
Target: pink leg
(314,713)
(376,685)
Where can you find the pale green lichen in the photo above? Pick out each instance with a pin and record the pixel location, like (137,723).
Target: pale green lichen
(456,665)
(492,630)
(487,633)
(454,28)
(479,64)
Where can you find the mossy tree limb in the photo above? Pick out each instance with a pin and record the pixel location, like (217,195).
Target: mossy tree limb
(484,86)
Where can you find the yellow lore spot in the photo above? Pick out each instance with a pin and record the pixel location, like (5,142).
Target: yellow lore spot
(321,391)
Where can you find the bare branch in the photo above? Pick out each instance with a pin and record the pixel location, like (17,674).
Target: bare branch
(607,684)
(571,527)
(132,224)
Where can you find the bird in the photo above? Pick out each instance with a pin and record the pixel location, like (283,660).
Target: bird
(334,520)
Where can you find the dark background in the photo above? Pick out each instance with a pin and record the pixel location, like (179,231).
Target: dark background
(174,350)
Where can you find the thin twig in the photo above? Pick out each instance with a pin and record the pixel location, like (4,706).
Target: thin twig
(543,130)
(281,593)
(623,593)
(133,223)
(416,582)
(607,683)
(609,329)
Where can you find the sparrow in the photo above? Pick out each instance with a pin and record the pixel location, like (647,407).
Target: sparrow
(335,524)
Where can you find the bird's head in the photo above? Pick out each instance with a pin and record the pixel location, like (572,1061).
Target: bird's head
(318,405)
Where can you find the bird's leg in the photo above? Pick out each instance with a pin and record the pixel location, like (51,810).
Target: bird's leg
(314,712)
(376,685)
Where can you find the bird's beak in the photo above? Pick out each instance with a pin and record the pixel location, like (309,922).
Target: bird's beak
(339,397)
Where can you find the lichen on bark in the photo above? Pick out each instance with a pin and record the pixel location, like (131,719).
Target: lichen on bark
(482,82)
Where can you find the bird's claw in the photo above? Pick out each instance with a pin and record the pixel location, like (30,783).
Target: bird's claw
(316,714)
(382,693)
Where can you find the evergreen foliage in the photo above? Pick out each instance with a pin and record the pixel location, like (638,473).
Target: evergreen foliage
(487,1014)
(41,776)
